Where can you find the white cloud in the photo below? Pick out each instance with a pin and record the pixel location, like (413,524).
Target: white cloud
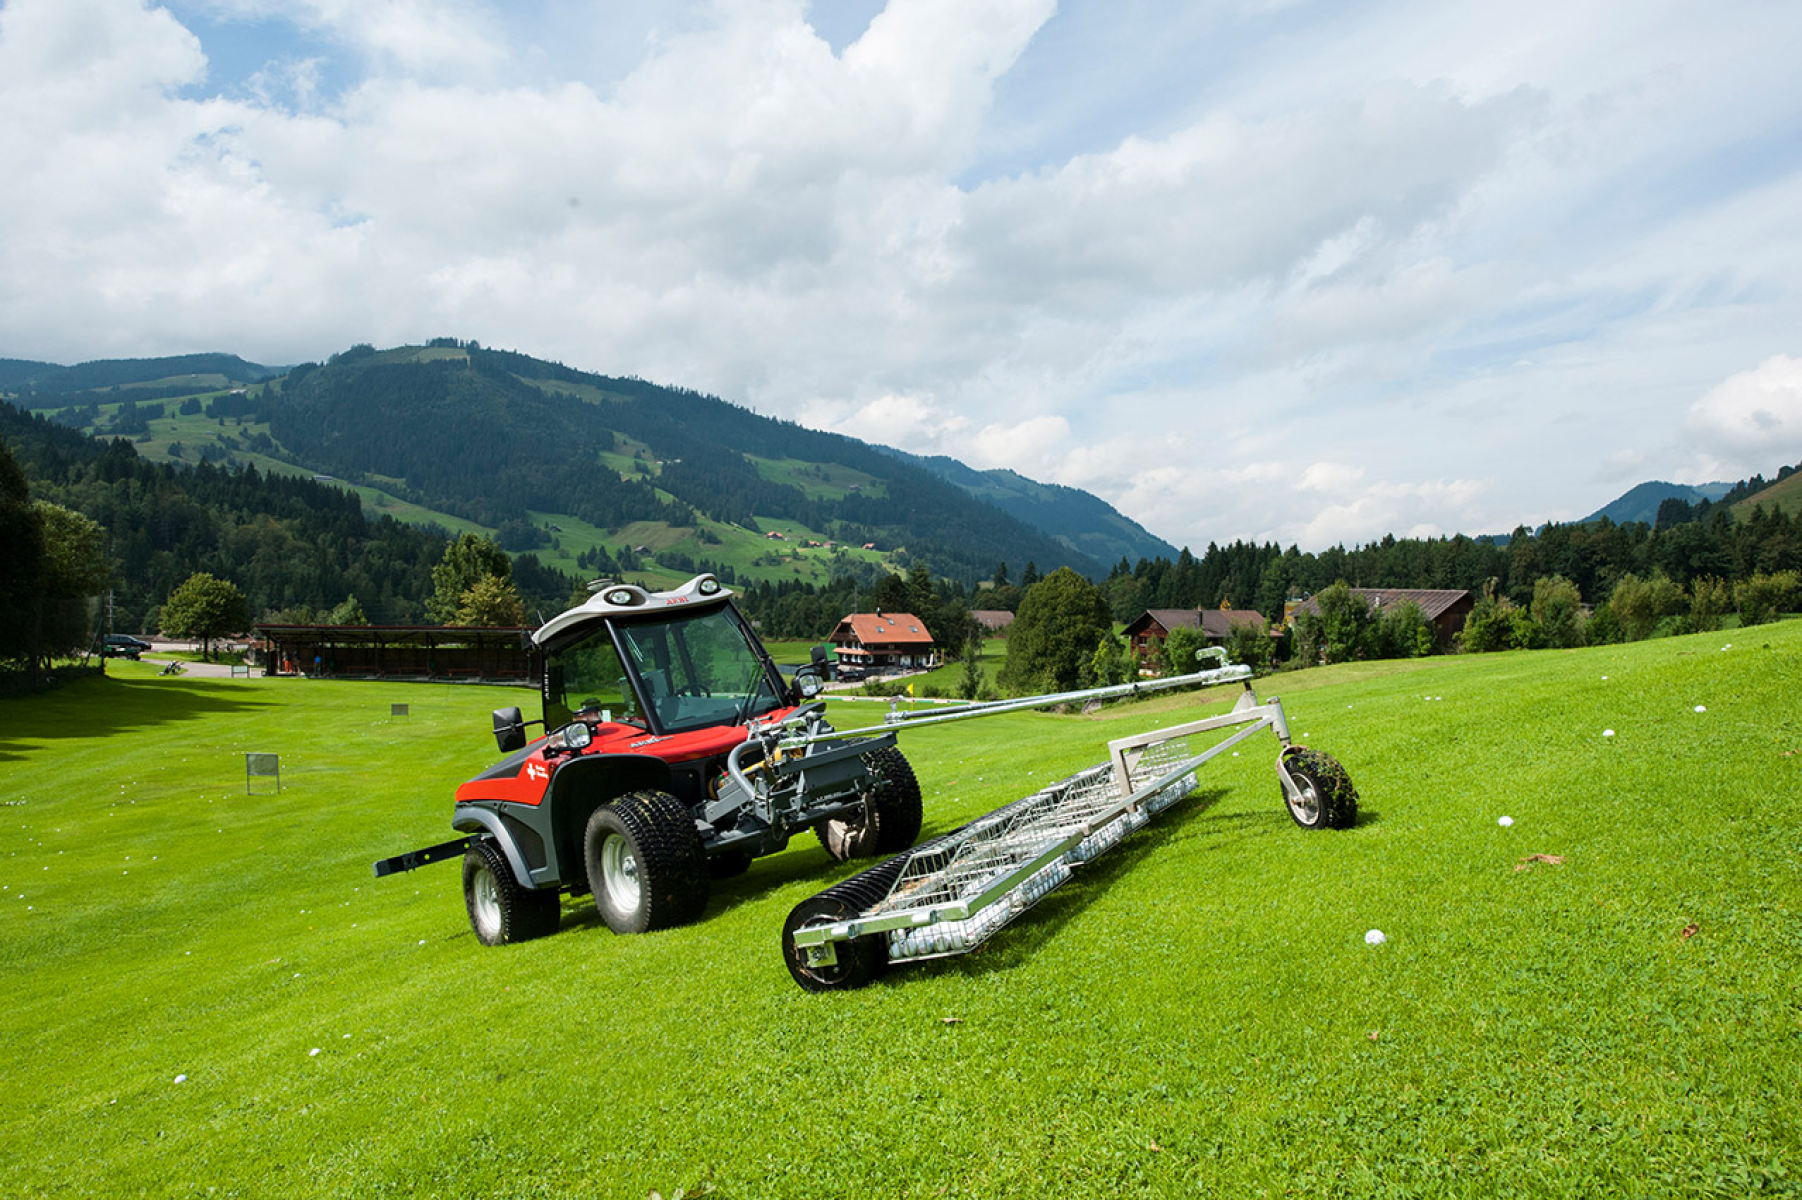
(1748,422)
(1755,414)
(1399,268)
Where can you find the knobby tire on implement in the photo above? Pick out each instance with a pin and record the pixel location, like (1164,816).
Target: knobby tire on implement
(659,849)
(500,910)
(1329,799)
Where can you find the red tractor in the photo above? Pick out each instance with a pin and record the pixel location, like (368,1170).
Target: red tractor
(659,770)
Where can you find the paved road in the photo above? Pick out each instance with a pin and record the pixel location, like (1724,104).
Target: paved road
(204,670)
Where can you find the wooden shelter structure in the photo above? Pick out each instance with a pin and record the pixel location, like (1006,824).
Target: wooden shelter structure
(463,653)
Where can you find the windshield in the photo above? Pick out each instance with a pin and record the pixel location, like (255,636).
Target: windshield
(699,670)
(588,678)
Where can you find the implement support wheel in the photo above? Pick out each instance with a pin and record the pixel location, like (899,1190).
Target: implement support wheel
(1326,798)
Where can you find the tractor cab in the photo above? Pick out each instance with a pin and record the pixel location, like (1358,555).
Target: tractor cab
(665,662)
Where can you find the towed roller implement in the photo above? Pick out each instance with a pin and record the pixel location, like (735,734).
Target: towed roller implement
(950,895)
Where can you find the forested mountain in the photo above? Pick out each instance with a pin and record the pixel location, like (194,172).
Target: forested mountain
(288,542)
(1078,519)
(488,435)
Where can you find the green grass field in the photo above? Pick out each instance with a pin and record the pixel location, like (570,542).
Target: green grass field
(1196,1014)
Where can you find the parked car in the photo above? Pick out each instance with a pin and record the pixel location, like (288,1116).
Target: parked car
(123,645)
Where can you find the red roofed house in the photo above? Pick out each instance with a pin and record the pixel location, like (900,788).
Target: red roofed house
(883,642)
(1152,626)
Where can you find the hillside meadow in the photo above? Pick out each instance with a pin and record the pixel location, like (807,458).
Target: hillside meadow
(207,993)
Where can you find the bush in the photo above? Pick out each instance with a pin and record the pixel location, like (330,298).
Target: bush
(1490,625)
(1763,596)
(1603,627)
(1557,612)
(1710,600)
(1246,643)
(1111,663)
(1402,631)
(1181,649)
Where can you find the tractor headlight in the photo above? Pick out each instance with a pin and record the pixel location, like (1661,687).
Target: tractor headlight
(578,736)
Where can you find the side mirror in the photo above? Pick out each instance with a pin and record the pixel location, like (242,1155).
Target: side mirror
(823,660)
(509,729)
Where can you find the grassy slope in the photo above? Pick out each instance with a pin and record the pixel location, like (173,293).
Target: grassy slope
(1785,494)
(1196,1012)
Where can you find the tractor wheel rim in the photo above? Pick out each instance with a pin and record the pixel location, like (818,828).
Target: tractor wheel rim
(487,901)
(619,868)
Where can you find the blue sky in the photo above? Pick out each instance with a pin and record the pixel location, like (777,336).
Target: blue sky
(1273,269)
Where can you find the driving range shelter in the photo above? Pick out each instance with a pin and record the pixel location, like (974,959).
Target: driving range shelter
(459,653)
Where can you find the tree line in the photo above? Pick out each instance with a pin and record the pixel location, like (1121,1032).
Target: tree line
(297,548)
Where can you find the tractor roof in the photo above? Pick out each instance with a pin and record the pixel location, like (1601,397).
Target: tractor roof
(629,600)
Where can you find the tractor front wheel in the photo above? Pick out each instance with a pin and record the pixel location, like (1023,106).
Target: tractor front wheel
(645,863)
(889,819)
(500,910)
(1325,797)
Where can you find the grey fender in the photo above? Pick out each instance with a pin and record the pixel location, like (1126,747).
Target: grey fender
(470,819)
(580,786)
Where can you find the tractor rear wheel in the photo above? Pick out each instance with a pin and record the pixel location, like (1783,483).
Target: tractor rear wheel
(889,820)
(500,910)
(645,863)
(1327,799)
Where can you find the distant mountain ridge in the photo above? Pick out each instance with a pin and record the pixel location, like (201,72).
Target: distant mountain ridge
(1640,503)
(26,377)
(1080,520)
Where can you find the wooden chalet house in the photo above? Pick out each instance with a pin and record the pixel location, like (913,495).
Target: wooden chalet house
(872,643)
(1446,609)
(1148,631)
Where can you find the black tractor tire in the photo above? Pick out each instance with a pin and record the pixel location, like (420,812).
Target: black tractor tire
(889,821)
(1328,799)
(728,865)
(645,863)
(500,910)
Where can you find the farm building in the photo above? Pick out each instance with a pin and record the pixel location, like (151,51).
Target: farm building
(883,642)
(1445,608)
(1151,627)
(992,620)
(472,653)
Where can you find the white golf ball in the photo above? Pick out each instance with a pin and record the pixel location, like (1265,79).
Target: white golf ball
(1374,938)
(1607,733)
(1504,822)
